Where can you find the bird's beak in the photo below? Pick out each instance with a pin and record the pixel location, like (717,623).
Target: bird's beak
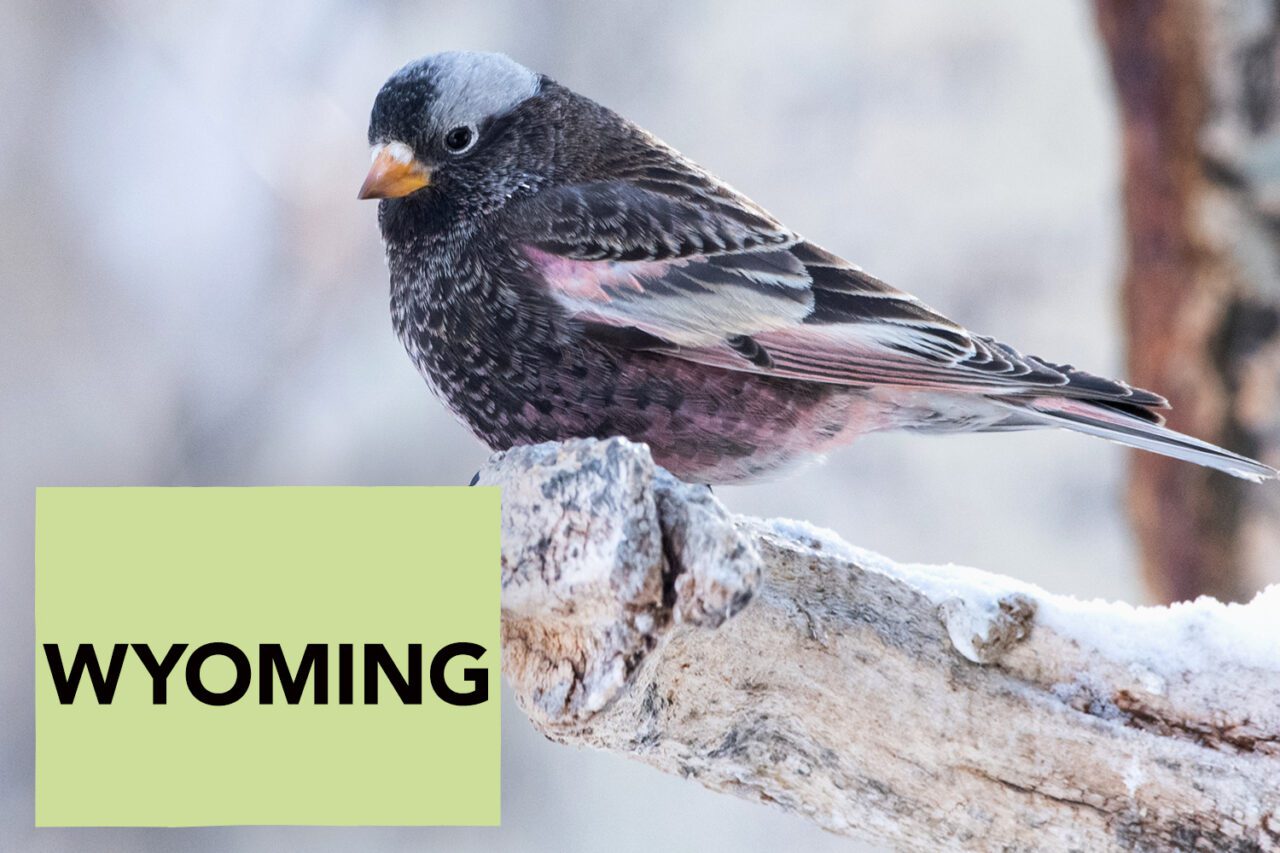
(394,172)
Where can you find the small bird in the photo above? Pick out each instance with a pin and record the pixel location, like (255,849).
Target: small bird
(558,272)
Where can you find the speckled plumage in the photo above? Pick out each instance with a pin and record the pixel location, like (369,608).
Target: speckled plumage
(569,275)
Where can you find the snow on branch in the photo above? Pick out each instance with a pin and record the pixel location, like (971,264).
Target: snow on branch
(929,707)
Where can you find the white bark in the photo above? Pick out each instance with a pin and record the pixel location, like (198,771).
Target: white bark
(927,707)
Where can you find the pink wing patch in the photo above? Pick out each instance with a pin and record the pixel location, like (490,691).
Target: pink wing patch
(591,280)
(690,302)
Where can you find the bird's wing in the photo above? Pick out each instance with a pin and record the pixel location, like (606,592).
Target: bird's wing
(669,259)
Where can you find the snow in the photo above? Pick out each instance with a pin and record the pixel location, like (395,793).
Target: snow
(966,625)
(1158,642)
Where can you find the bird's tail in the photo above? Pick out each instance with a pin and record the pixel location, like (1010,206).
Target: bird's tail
(1134,430)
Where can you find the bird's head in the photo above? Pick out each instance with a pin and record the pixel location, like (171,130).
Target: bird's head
(446,125)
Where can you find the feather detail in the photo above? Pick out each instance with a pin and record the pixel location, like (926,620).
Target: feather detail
(1135,431)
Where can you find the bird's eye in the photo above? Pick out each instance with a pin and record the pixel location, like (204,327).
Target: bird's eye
(460,139)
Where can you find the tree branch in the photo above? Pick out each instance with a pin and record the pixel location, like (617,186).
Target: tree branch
(918,705)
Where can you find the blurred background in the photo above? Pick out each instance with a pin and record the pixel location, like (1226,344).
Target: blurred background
(193,296)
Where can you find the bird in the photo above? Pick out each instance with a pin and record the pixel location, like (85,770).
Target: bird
(558,272)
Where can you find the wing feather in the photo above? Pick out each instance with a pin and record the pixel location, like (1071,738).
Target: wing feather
(701,273)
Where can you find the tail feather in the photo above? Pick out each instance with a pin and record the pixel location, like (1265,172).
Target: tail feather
(1132,430)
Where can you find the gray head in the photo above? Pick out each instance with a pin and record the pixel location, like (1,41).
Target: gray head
(434,114)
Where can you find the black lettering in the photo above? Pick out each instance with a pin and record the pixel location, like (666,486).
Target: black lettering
(104,687)
(271,662)
(376,657)
(346,673)
(159,670)
(477,676)
(238,658)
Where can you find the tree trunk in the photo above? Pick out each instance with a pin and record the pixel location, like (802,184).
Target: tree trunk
(1197,84)
(925,707)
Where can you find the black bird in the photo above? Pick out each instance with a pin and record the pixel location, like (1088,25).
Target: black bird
(558,272)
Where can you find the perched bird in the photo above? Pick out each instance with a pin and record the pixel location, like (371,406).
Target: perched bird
(558,272)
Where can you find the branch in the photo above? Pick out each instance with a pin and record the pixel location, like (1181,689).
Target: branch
(918,705)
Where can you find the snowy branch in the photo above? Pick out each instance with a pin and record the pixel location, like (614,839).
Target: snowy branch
(924,706)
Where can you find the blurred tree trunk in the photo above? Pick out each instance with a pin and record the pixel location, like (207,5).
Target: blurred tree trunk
(1198,89)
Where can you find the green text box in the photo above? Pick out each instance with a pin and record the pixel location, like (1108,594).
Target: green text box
(248,566)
